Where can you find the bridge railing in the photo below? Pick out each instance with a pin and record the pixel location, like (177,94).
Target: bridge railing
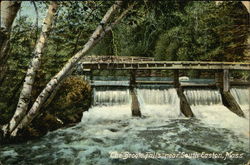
(115,59)
(147,63)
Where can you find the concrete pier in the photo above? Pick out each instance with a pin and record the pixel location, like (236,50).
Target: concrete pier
(135,105)
(184,105)
(229,101)
(223,83)
(226,84)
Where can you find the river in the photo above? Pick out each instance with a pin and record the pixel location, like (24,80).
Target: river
(108,134)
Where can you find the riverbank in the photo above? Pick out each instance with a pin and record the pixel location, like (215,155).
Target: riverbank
(64,110)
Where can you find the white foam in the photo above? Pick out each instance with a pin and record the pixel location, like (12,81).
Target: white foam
(158,103)
(220,116)
(112,128)
(11,153)
(116,112)
(242,96)
(207,106)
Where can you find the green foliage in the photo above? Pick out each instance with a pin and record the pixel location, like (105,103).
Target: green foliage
(136,35)
(22,45)
(206,32)
(73,97)
(71,30)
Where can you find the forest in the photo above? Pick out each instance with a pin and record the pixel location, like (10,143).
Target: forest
(37,80)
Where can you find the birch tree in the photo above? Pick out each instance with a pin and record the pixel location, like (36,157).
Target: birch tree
(25,94)
(97,35)
(8,14)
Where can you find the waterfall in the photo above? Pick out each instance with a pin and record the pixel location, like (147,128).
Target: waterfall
(108,105)
(111,97)
(203,96)
(159,102)
(158,96)
(242,96)
(153,102)
(207,106)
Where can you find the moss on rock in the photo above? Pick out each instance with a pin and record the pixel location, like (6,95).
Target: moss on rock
(66,108)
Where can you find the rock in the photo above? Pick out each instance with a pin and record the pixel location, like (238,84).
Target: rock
(65,109)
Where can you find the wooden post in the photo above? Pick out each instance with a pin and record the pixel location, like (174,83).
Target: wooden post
(184,105)
(218,79)
(91,77)
(135,105)
(228,100)
(132,79)
(225,80)
(176,79)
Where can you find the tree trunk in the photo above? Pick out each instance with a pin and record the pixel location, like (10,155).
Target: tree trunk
(98,34)
(8,14)
(25,94)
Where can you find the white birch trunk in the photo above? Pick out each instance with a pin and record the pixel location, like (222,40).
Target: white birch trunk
(98,34)
(9,10)
(8,14)
(25,95)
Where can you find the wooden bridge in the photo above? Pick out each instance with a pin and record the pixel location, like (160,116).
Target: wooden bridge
(221,70)
(89,63)
(144,63)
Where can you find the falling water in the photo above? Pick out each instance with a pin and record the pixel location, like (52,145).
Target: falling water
(203,96)
(158,96)
(111,97)
(206,105)
(242,96)
(159,102)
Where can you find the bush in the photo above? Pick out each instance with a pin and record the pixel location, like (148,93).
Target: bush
(73,97)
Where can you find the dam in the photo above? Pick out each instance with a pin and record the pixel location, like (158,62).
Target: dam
(108,132)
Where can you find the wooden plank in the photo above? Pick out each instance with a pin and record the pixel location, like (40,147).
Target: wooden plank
(226,80)
(197,85)
(149,65)
(239,83)
(155,82)
(176,79)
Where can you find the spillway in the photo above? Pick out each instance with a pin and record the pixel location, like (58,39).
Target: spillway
(242,96)
(111,97)
(159,102)
(203,96)
(207,106)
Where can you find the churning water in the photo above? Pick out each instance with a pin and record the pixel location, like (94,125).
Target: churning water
(159,103)
(108,129)
(207,106)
